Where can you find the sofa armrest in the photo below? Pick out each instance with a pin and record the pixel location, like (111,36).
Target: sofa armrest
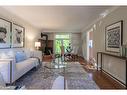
(7,69)
(37,54)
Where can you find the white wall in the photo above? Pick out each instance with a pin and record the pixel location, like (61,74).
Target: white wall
(77,41)
(31,33)
(51,36)
(99,32)
(99,41)
(84,44)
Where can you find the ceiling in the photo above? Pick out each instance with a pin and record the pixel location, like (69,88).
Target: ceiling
(58,18)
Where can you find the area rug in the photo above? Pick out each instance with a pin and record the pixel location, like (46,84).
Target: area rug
(78,78)
(43,78)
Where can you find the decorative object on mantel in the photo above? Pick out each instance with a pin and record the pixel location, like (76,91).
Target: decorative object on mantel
(18,35)
(113,36)
(5,31)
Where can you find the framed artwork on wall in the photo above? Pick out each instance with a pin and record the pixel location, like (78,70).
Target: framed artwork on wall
(5,32)
(114,36)
(18,36)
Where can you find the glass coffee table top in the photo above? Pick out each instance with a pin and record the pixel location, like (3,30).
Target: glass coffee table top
(56,65)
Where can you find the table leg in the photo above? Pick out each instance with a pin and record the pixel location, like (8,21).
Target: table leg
(97,61)
(101,62)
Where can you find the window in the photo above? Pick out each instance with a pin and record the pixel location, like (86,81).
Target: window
(61,39)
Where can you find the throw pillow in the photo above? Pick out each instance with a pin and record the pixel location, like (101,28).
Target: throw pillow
(20,56)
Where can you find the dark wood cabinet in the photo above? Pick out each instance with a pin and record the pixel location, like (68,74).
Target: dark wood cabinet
(50,43)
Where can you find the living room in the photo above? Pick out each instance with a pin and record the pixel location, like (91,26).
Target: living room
(93,64)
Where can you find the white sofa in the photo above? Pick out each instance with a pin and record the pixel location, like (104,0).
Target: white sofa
(18,68)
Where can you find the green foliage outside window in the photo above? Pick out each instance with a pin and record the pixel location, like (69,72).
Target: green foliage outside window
(61,39)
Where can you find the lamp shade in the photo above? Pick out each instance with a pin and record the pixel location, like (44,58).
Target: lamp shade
(37,44)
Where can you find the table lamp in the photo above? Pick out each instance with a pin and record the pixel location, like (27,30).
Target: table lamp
(37,45)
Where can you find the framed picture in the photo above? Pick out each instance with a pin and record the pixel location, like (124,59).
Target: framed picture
(5,31)
(114,36)
(18,36)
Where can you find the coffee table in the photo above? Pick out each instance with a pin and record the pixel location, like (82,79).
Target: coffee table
(56,65)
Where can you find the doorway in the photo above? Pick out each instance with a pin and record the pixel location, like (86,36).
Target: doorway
(90,45)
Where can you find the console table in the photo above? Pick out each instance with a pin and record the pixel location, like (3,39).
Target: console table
(116,56)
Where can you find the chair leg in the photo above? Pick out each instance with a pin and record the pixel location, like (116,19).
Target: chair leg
(74,57)
(77,58)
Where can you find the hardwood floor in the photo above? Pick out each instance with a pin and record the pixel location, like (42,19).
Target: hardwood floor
(102,80)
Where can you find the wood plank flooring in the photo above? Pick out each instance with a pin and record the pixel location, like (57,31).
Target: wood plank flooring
(102,80)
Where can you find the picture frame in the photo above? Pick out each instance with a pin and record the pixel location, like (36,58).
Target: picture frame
(18,36)
(114,37)
(5,32)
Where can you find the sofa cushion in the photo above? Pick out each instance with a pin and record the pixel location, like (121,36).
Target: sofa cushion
(20,56)
(37,54)
(3,56)
(24,66)
(29,53)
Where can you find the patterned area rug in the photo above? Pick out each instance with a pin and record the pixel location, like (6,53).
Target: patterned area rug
(43,78)
(78,78)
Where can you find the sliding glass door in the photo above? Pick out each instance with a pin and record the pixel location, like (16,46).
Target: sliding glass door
(61,39)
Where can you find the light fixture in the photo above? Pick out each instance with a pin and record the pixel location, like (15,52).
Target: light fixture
(37,45)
